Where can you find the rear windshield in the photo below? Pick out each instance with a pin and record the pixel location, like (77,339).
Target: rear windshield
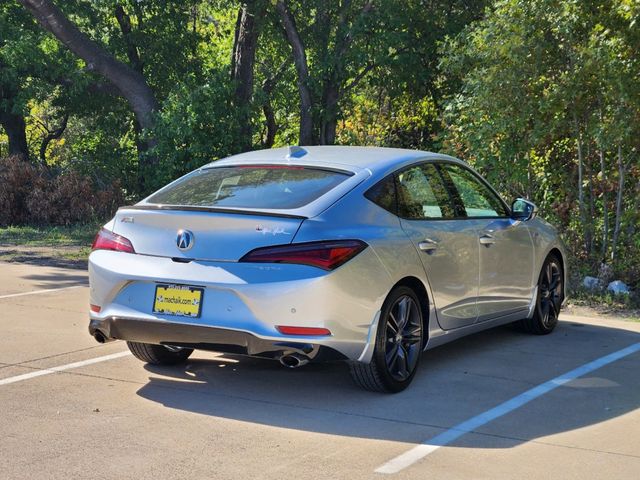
(254,186)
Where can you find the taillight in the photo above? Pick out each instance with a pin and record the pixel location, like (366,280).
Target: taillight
(106,240)
(327,255)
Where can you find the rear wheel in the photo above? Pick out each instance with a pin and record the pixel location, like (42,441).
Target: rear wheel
(398,347)
(159,354)
(549,300)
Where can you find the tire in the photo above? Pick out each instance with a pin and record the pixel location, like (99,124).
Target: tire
(398,348)
(549,300)
(159,354)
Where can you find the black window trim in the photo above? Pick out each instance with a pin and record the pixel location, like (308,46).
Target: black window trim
(451,190)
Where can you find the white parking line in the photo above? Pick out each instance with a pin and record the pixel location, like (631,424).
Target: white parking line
(40,291)
(420,451)
(62,368)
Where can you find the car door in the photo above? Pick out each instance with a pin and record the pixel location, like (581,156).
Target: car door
(506,247)
(448,248)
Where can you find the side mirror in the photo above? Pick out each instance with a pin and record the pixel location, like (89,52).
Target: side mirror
(523,210)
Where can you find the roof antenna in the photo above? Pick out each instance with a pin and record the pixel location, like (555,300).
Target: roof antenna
(295,152)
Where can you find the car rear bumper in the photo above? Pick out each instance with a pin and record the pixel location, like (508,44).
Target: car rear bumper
(249,300)
(207,338)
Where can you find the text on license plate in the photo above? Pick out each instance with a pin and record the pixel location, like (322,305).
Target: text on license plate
(181,300)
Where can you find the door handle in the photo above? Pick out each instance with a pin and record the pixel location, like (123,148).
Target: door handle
(487,240)
(428,245)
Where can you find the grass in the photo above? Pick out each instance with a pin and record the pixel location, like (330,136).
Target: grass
(75,235)
(606,302)
(55,246)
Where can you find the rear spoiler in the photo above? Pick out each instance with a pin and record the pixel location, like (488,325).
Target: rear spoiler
(195,208)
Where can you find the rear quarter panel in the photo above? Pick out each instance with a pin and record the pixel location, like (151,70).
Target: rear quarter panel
(545,239)
(355,217)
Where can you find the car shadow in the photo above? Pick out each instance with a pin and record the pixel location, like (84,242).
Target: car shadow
(454,383)
(58,280)
(10,255)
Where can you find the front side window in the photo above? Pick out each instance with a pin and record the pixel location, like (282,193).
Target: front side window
(476,198)
(422,194)
(251,186)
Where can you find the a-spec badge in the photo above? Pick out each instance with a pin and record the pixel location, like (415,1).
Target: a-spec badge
(185,240)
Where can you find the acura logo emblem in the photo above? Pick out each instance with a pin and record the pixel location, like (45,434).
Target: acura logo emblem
(185,239)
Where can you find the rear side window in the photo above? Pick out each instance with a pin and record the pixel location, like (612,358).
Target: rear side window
(383,194)
(422,195)
(252,186)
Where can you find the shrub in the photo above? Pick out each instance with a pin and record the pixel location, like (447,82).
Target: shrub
(31,194)
(18,180)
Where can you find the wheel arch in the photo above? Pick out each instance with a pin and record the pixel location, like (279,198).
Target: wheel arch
(420,289)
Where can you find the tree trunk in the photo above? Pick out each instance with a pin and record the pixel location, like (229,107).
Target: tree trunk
(129,82)
(330,98)
(590,236)
(529,176)
(13,123)
(616,229)
(242,64)
(269,114)
(605,206)
(581,208)
(271,124)
(15,128)
(302,70)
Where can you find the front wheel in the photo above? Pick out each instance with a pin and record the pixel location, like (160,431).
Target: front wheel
(398,347)
(159,354)
(549,299)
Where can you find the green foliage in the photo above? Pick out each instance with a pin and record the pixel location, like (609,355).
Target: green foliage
(541,84)
(196,126)
(534,93)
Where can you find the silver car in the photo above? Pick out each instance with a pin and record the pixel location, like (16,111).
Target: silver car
(369,255)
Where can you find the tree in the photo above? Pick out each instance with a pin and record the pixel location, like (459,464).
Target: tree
(342,37)
(545,105)
(130,83)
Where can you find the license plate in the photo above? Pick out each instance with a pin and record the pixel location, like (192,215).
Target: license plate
(179,300)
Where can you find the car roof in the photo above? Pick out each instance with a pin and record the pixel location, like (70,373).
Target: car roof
(332,156)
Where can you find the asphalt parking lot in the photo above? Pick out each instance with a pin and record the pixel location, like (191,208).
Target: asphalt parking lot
(71,408)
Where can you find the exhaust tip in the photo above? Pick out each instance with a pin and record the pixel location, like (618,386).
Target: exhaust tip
(293,360)
(100,337)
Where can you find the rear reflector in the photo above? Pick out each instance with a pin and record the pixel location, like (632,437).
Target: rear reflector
(106,240)
(95,308)
(327,255)
(303,331)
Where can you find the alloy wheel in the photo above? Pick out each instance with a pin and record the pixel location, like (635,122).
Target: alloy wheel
(403,335)
(550,296)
